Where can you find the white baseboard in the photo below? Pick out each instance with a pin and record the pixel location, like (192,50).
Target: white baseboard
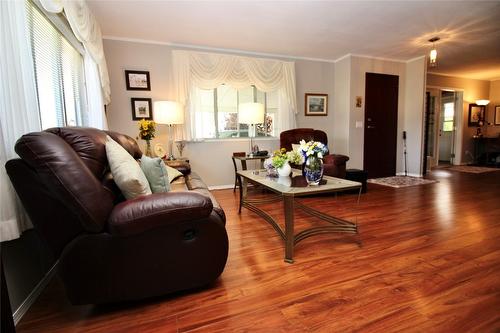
(28,302)
(220,187)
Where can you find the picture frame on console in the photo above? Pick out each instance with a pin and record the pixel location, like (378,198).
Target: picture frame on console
(316,104)
(476,114)
(137,80)
(141,108)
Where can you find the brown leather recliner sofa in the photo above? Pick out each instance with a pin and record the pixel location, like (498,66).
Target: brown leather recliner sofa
(334,164)
(110,249)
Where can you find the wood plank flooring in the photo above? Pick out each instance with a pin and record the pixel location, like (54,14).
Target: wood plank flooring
(427,259)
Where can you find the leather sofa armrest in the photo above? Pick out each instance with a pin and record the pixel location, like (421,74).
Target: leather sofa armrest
(157,210)
(335,159)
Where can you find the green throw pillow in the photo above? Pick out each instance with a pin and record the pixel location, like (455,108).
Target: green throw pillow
(156,174)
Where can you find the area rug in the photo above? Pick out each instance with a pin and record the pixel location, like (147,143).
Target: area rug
(401,181)
(471,169)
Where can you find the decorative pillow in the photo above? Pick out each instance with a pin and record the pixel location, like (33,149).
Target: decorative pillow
(156,173)
(126,171)
(172,173)
(295,147)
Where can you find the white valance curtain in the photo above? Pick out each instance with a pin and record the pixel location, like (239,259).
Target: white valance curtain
(210,70)
(18,108)
(87,30)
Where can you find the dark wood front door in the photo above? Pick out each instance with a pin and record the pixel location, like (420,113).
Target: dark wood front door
(381,124)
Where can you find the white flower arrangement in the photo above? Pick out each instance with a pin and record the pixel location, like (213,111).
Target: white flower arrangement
(313,148)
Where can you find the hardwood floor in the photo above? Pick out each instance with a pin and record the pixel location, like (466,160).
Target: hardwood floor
(427,259)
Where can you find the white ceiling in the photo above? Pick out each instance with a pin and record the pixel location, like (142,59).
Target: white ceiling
(469,30)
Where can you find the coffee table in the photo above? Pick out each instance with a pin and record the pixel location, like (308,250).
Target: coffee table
(287,189)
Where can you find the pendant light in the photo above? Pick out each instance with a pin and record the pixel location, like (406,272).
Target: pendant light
(433,54)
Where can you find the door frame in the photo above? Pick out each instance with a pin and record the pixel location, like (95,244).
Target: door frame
(458,124)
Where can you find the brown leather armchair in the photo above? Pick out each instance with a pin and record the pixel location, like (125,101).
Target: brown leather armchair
(334,165)
(110,249)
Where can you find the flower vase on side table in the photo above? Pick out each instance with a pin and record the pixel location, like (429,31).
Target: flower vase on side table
(148,152)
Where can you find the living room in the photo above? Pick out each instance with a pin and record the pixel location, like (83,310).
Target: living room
(424,256)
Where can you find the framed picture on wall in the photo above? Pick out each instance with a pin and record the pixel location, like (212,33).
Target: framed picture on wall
(476,114)
(316,104)
(137,80)
(497,115)
(141,108)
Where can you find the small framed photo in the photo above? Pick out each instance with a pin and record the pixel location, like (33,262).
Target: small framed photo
(476,115)
(497,115)
(141,108)
(316,105)
(137,80)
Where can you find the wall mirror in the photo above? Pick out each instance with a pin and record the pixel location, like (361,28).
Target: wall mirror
(497,115)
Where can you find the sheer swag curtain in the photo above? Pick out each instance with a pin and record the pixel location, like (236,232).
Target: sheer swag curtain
(210,70)
(18,108)
(87,30)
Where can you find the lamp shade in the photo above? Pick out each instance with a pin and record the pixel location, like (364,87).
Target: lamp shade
(167,112)
(251,113)
(482,102)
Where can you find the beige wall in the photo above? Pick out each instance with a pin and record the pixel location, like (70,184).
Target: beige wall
(341,104)
(350,75)
(342,81)
(413,116)
(472,91)
(211,159)
(491,129)
(359,67)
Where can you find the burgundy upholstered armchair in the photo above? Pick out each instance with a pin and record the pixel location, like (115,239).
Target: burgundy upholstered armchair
(110,249)
(335,165)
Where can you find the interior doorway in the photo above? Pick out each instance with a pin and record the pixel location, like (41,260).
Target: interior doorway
(443,121)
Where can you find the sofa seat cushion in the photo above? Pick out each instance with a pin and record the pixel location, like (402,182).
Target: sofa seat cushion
(193,182)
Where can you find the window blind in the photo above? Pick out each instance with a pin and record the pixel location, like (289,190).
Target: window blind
(58,73)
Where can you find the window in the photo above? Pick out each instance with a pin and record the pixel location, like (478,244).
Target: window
(449,110)
(58,73)
(216,113)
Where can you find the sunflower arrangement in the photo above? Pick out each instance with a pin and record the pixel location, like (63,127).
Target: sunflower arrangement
(147,129)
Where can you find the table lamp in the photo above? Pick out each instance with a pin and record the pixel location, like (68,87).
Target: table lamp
(168,113)
(251,114)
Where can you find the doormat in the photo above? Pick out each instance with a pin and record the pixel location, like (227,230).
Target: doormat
(471,169)
(401,181)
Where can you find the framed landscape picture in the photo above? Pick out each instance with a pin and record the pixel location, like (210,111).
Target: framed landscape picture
(316,105)
(141,108)
(137,80)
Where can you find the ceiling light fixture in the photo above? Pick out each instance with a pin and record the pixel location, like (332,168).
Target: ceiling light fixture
(433,54)
(482,102)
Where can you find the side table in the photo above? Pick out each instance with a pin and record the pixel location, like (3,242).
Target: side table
(357,175)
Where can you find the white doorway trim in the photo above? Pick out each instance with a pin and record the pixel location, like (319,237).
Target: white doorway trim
(458,123)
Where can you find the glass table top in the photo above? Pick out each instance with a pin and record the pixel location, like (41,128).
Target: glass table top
(297,185)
